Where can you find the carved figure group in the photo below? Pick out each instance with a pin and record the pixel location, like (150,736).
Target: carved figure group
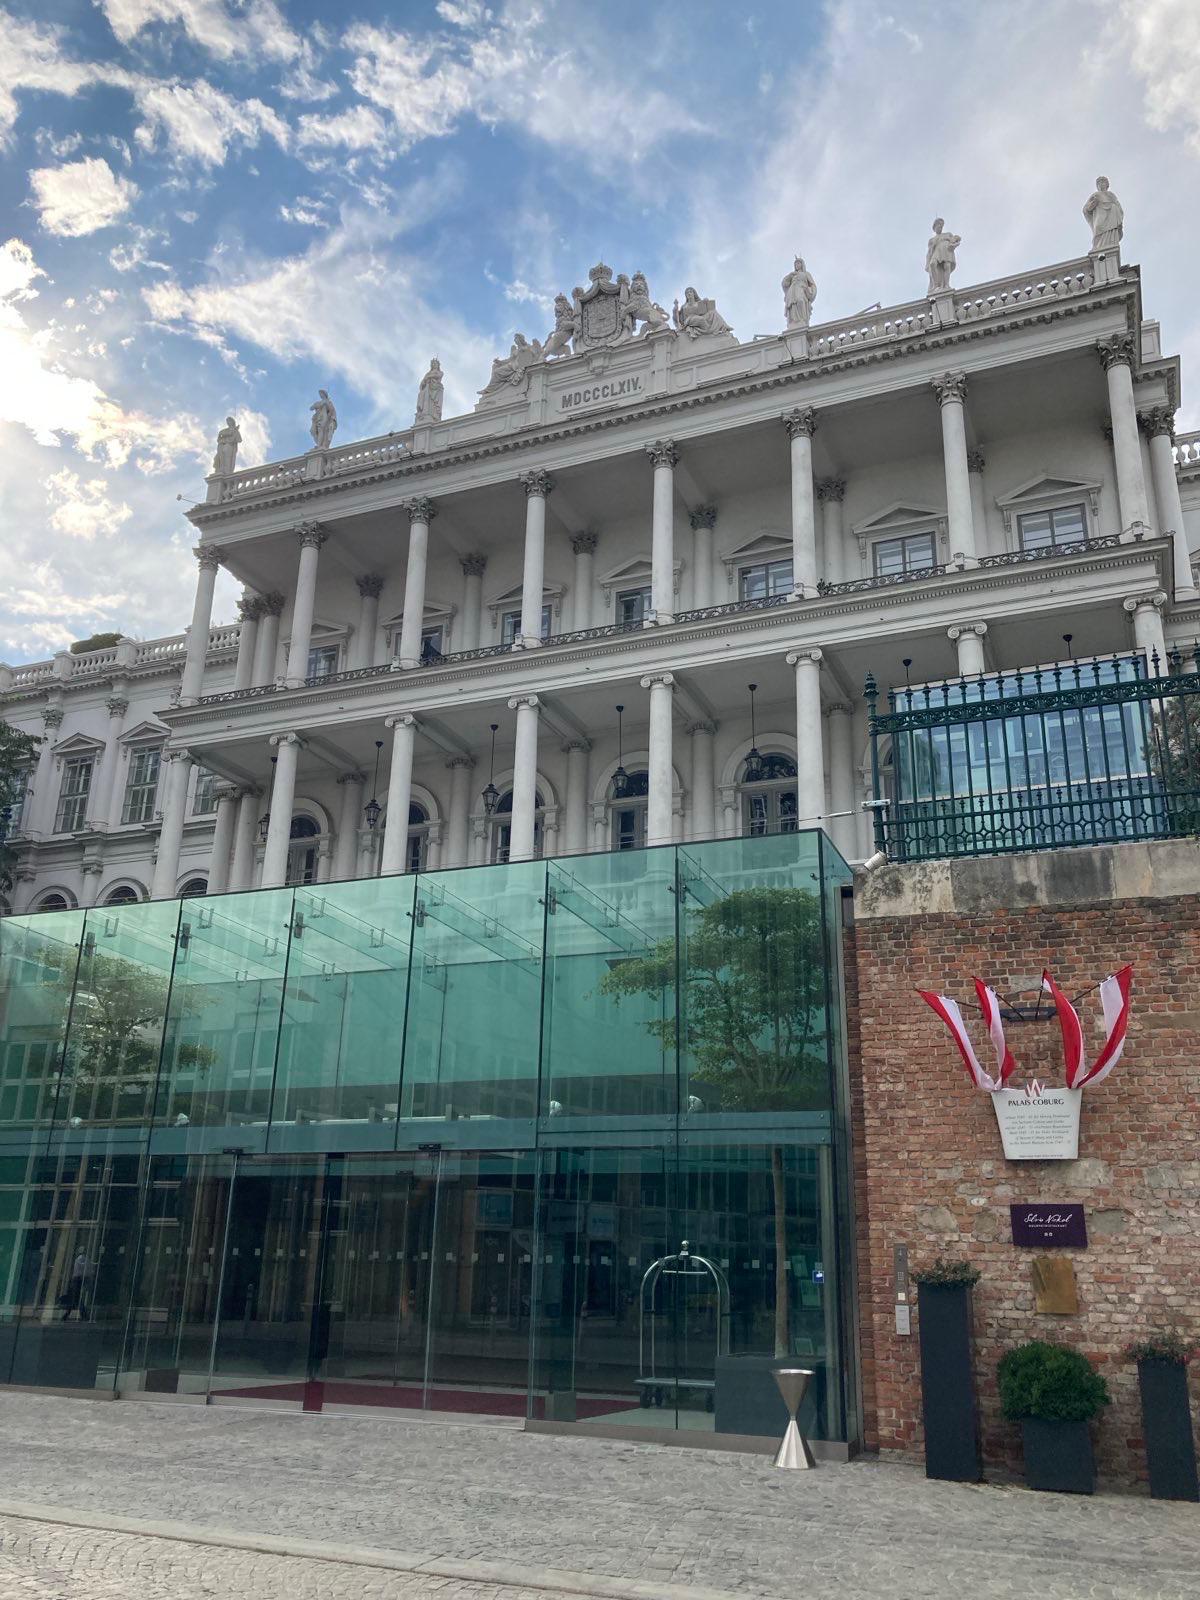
(228,439)
(430,394)
(940,260)
(566,326)
(698,317)
(799,293)
(512,369)
(1106,216)
(324,421)
(637,306)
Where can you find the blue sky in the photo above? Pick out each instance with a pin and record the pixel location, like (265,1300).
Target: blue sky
(220,205)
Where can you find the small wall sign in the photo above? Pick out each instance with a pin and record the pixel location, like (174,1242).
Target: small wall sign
(1039,1226)
(1038,1124)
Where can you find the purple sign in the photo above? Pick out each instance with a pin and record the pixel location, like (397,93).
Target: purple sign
(1049,1225)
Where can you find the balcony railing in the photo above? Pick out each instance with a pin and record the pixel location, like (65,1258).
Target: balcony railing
(1080,753)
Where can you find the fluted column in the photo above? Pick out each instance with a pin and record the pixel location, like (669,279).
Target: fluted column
(245,839)
(399,792)
(951,392)
(350,815)
(662,530)
(41,810)
(178,765)
(524,789)
(583,545)
(810,759)
(975,465)
(967,638)
(209,558)
(1118,355)
(831,492)
(473,569)
(250,611)
(227,796)
(458,822)
(266,649)
(660,767)
(370,587)
(575,819)
(104,794)
(537,489)
(311,537)
(1160,428)
(842,827)
(283,796)
(1145,612)
(704,798)
(421,513)
(801,424)
(703,521)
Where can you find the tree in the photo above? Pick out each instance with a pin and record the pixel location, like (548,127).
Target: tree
(96,641)
(752,1006)
(18,752)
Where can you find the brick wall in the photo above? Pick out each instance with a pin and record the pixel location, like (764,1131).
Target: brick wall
(934,1176)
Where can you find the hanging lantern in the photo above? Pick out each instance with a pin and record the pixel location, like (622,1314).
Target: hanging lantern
(755,765)
(372,809)
(491,795)
(620,778)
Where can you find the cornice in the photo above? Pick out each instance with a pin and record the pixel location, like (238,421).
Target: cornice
(783,378)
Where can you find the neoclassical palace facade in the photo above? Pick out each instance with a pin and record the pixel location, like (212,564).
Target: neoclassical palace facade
(631,598)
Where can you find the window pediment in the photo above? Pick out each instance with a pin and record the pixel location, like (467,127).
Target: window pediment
(901,517)
(636,574)
(145,733)
(83,744)
(510,600)
(766,545)
(1049,489)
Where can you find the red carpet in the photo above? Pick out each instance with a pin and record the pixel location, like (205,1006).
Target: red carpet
(489,1402)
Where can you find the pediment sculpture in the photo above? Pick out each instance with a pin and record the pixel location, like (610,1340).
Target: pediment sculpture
(508,372)
(699,318)
(604,314)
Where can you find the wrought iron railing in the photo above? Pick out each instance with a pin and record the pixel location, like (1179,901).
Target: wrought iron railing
(1079,753)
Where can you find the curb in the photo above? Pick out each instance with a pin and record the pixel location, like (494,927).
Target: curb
(471,1570)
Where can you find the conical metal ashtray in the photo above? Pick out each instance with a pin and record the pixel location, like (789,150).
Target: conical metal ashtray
(793,1384)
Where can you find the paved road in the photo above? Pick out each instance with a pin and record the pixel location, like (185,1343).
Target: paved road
(609,1513)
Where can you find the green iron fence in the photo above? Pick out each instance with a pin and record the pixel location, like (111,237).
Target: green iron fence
(1082,752)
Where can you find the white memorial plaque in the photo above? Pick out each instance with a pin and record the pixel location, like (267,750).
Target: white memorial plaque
(1042,1126)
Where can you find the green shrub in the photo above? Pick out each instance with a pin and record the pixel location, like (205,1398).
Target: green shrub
(1166,1346)
(1050,1382)
(945,1271)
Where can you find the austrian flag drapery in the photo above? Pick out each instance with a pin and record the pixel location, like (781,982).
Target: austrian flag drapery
(951,1015)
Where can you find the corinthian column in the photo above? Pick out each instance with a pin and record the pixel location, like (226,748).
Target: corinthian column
(283,796)
(399,793)
(227,796)
(524,789)
(166,865)
(810,759)
(951,391)
(537,489)
(209,559)
(311,537)
(421,513)
(1160,428)
(660,767)
(704,816)
(662,530)
(473,569)
(370,587)
(801,424)
(831,492)
(458,822)
(1117,354)
(250,610)
(267,648)
(703,520)
(583,546)
(575,821)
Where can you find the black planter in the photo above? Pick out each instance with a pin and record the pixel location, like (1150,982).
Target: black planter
(948,1383)
(1058,1456)
(1167,1427)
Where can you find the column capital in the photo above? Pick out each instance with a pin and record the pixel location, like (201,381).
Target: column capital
(272,604)
(979,629)
(370,585)
(576,744)
(703,517)
(250,608)
(975,461)
(402,719)
(830,488)
(116,705)
(950,387)
(421,509)
(227,791)
(1116,351)
(52,717)
(663,452)
(311,535)
(1158,420)
(183,755)
(837,708)
(1153,601)
(460,761)
(584,544)
(519,700)
(537,484)
(352,778)
(653,680)
(474,565)
(796,658)
(703,725)
(800,423)
(278,739)
(209,556)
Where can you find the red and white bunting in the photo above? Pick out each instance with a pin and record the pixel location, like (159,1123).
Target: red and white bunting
(951,1015)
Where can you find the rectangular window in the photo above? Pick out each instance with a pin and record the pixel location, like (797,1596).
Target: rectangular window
(511,626)
(633,607)
(764,579)
(1044,530)
(205,798)
(141,786)
(73,795)
(12,801)
(913,552)
(431,644)
(322,660)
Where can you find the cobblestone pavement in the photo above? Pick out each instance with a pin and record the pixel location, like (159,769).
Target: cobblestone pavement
(599,1509)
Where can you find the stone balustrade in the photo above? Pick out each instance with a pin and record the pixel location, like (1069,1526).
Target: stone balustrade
(1186,449)
(1008,294)
(130,654)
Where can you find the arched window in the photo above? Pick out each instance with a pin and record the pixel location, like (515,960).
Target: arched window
(769,798)
(501,840)
(52,902)
(193,887)
(418,837)
(123,895)
(302,852)
(627,812)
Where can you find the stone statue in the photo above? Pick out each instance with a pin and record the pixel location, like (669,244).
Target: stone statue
(698,317)
(799,292)
(636,306)
(565,327)
(324,421)
(228,439)
(940,260)
(512,369)
(429,395)
(1106,216)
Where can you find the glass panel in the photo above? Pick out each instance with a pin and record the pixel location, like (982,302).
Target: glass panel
(38,960)
(471,1037)
(218,1059)
(1070,526)
(1035,530)
(338,1079)
(608,1044)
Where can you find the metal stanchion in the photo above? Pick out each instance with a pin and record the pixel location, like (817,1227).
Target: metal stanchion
(793,1384)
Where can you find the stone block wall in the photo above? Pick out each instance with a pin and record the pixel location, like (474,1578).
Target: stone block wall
(932,1173)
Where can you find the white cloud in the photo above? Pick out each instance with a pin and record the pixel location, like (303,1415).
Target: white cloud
(32,58)
(356,128)
(81,507)
(200,122)
(80,197)
(1164,41)
(305,213)
(256,436)
(254,29)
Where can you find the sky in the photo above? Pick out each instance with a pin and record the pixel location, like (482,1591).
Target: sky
(218,206)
